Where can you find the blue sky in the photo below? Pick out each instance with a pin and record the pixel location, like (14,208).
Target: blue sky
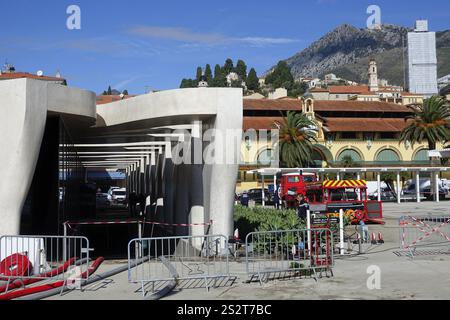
(139,44)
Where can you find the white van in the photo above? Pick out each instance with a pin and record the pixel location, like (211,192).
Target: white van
(386,192)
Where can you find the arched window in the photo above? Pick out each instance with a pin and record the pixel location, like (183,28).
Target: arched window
(422,155)
(349,153)
(265,157)
(317,158)
(388,155)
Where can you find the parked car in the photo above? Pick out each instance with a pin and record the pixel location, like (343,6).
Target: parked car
(101,201)
(424,189)
(118,197)
(256,195)
(111,189)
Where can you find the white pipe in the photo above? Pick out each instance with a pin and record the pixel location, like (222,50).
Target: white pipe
(399,190)
(275,189)
(418,187)
(308,227)
(341,231)
(436,181)
(262,192)
(379,186)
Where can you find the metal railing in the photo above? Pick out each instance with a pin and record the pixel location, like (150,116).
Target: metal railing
(424,235)
(26,258)
(190,257)
(279,254)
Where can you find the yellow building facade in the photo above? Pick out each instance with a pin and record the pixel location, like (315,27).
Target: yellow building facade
(368,132)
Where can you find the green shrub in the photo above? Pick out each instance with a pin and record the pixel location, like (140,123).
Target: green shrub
(258,219)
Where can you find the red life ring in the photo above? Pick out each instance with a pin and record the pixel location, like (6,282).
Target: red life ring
(359,215)
(15,265)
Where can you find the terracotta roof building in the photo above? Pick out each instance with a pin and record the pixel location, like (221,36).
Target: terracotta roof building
(103,99)
(367,131)
(20,75)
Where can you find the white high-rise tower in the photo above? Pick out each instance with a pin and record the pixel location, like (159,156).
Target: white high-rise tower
(422,61)
(373,75)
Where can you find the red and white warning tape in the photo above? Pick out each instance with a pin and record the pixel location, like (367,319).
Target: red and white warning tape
(73,223)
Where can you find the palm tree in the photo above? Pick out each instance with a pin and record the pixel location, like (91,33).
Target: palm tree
(297,134)
(429,122)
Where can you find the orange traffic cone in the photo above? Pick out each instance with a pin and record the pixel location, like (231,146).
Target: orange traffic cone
(373,239)
(380,238)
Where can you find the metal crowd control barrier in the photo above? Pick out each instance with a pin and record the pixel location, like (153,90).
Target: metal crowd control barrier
(192,257)
(293,253)
(429,234)
(36,258)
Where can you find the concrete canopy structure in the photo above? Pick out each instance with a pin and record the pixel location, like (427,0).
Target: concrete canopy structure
(27,104)
(139,136)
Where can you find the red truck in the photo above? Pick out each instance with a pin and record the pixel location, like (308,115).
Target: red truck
(292,184)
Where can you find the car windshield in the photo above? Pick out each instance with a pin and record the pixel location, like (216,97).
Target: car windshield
(119,193)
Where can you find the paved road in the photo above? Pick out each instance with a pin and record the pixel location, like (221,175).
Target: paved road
(426,277)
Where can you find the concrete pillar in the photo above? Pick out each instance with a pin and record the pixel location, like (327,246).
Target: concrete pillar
(132,178)
(160,163)
(147,176)
(222,177)
(142,166)
(196,192)
(176,198)
(153,157)
(168,187)
(418,187)
(135,177)
(127,180)
(399,189)
(358,176)
(338,176)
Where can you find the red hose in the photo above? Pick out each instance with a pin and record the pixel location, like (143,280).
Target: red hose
(46,287)
(17,283)
(16,265)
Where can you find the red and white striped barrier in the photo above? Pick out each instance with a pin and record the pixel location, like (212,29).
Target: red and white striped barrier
(426,226)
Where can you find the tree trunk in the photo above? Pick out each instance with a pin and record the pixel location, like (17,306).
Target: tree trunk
(434,161)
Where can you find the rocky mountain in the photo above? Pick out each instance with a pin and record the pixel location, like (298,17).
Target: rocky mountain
(346,51)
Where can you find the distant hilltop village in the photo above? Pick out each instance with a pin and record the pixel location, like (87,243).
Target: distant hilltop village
(417,58)
(338,89)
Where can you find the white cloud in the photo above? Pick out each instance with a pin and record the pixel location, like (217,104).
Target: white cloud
(113,46)
(191,37)
(121,85)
